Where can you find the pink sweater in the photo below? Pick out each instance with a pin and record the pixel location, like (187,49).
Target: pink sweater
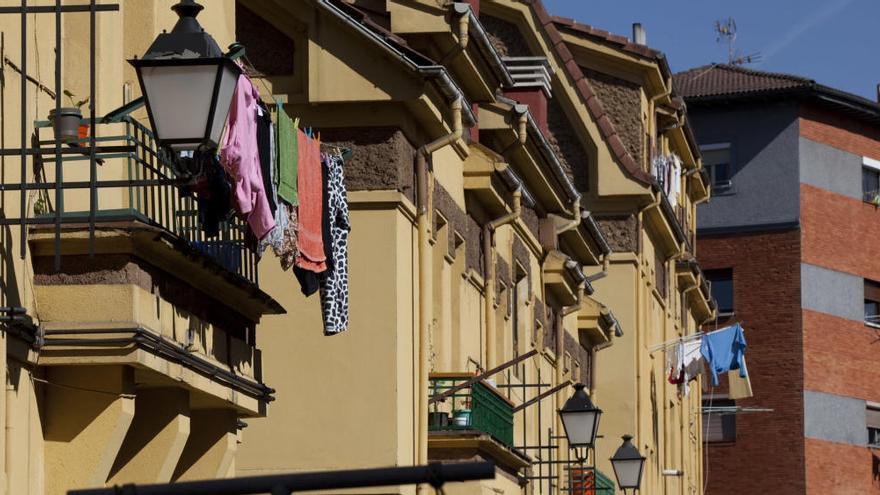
(241,159)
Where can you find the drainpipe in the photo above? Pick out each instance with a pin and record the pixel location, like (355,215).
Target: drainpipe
(489,259)
(464,18)
(576,219)
(606,263)
(425,272)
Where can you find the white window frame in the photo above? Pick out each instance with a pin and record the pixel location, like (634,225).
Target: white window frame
(711,167)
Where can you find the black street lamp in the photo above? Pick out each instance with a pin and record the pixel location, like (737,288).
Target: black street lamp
(187,82)
(628,465)
(580,419)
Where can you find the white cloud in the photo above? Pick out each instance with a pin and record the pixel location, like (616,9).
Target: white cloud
(799,28)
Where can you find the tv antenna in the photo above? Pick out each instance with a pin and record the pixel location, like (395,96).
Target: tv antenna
(726,34)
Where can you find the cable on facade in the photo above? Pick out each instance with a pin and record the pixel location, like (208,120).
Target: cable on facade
(83,389)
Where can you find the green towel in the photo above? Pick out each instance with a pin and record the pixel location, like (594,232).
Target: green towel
(287,158)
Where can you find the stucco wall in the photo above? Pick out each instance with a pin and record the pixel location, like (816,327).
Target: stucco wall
(764,168)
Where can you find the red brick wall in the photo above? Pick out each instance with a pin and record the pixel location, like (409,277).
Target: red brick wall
(840,469)
(841,356)
(838,232)
(768,455)
(839,131)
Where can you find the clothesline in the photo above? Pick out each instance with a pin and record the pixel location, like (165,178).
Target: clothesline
(680,340)
(733,410)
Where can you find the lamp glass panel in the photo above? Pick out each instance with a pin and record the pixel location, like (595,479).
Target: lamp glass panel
(580,426)
(628,472)
(179,99)
(228,81)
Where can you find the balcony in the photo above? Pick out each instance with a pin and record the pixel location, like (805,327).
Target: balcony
(125,275)
(478,407)
(474,421)
(134,182)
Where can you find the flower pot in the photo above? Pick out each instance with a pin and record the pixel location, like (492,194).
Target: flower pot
(438,419)
(83,131)
(462,418)
(66,123)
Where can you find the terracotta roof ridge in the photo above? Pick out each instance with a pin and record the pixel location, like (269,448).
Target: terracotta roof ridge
(762,73)
(594,106)
(620,40)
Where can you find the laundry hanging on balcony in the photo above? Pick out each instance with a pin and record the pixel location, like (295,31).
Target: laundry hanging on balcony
(721,351)
(240,157)
(292,195)
(667,170)
(724,350)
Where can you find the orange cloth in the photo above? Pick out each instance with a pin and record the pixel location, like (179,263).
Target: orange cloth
(310,240)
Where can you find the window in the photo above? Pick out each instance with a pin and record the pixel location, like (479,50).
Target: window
(872,302)
(872,420)
(716,159)
(718,425)
(722,289)
(871,180)
(660,275)
(520,297)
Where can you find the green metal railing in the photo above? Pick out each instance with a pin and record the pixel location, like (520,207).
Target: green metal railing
(477,407)
(132,166)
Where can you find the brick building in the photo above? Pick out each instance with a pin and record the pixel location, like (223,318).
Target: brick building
(785,239)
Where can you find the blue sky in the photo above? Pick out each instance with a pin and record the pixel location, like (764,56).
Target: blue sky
(834,42)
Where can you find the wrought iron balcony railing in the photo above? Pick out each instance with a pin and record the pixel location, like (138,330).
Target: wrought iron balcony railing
(478,407)
(135,181)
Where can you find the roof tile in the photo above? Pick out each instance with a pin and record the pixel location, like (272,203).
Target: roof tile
(564,52)
(720,79)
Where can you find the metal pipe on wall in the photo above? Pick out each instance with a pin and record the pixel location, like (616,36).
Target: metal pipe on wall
(490,274)
(426,279)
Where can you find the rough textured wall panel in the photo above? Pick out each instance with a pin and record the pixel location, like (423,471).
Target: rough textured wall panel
(382,158)
(566,145)
(621,232)
(505,37)
(530,218)
(269,49)
(622,100)
(474,246)
(455,216)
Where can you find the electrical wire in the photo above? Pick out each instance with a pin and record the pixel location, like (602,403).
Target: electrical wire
(83,389)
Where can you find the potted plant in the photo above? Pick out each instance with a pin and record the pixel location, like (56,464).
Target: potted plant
(68,123)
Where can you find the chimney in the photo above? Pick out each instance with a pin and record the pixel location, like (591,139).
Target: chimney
(639,34)
(878,92)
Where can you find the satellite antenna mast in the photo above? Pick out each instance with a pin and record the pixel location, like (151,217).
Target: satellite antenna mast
(726,31)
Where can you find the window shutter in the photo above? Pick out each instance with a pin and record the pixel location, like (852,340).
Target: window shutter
(872,418)
(872,290)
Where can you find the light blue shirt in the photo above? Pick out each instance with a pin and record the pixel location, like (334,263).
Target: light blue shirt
(723,351)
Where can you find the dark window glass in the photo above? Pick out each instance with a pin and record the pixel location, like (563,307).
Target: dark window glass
(870,184)
(719,425)
(722,288)
(872,421)
(718,164)
(872,302)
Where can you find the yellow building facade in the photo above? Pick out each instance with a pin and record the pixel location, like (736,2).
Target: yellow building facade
(505,216)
